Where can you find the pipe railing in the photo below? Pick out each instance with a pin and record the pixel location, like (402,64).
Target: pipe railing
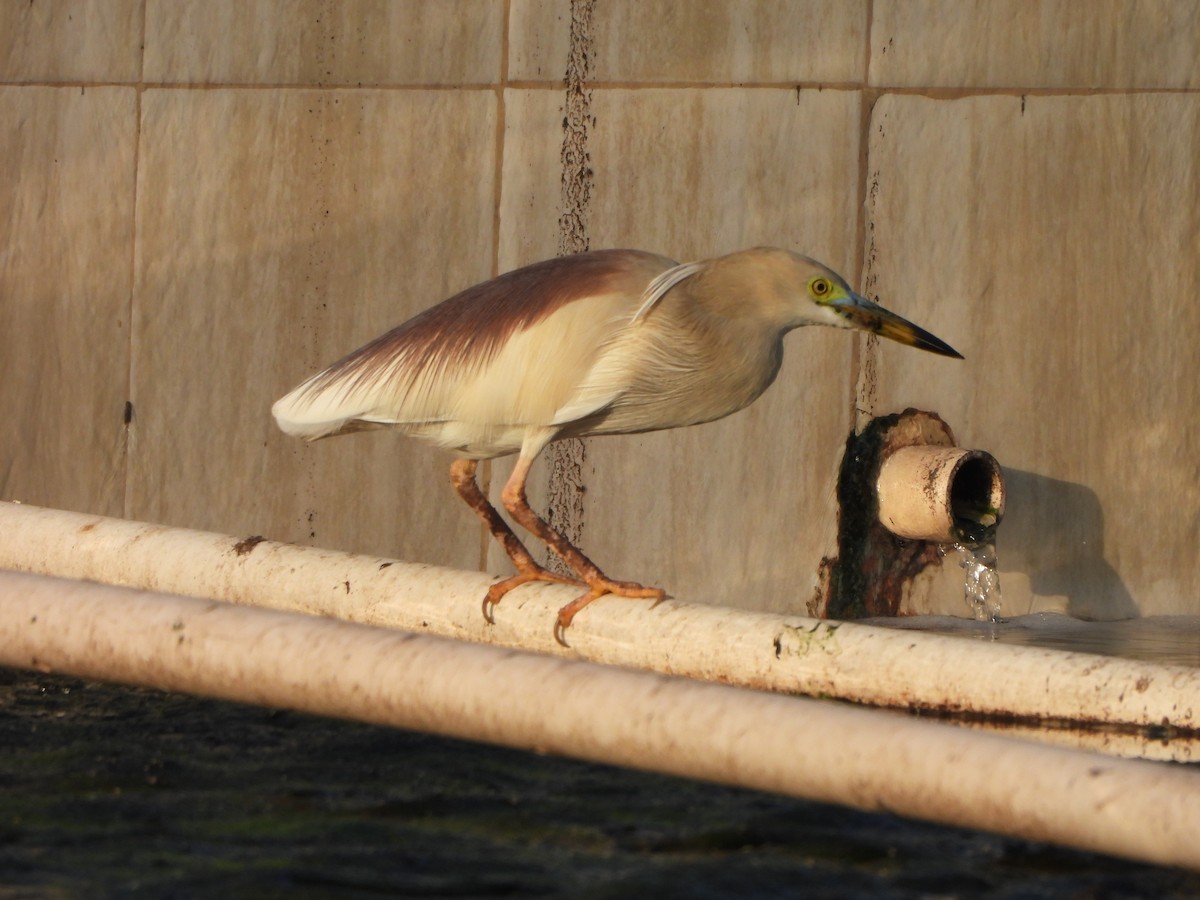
(869,759)
(787,654)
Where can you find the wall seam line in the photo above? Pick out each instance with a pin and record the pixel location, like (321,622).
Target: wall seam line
(129,442)
(566,458)
(500,91)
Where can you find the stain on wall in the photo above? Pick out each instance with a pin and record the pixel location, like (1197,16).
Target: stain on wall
(566,459)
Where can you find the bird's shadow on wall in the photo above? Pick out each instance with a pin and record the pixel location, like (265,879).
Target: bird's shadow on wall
(1053,532)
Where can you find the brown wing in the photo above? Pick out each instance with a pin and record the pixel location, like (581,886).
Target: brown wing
(413,373)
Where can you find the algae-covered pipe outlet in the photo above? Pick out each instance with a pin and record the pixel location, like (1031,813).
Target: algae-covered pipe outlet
(904,488)
(942,494)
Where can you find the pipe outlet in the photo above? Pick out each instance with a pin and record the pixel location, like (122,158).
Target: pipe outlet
(943,494)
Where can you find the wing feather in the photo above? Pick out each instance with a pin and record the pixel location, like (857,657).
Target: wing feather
(501,355)
(658,288)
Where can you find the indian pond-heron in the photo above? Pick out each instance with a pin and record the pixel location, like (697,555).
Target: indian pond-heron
(603,342)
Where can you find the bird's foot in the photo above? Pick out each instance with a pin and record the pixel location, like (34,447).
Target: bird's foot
(535,573)
(598,587)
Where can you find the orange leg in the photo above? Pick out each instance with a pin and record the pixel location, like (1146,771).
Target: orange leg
(597,582)
(462,474)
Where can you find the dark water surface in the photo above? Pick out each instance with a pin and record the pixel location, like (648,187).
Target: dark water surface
(109,791)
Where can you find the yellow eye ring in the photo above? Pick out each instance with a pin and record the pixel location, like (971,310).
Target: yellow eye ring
(820,287)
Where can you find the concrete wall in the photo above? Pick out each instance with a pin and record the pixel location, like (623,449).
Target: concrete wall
(202,201)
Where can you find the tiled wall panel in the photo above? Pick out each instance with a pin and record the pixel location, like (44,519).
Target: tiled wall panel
(1063,260)
(70,40)
(1110,44)
(350,42)
(278,230)
(66,243)
(738,511)
(707,41)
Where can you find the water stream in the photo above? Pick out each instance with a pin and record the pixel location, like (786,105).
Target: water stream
(981,581)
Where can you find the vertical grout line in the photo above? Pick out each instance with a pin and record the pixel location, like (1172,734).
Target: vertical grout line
(566,458)
(485,470)
(861,350)
(501,96)
(129,442)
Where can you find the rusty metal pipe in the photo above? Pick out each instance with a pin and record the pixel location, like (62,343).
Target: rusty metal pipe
(942,494)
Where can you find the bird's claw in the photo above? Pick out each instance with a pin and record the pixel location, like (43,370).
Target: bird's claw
(500,589)
(566,615)
(495,594)
(560,633)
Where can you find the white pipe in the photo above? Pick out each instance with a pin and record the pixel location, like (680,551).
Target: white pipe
(928,493)
(789,654)
(816,750)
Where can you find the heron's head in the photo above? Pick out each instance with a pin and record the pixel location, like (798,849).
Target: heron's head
(826,299)
(792,290)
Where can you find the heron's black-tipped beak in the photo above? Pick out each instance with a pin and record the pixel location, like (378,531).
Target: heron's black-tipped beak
(869,316)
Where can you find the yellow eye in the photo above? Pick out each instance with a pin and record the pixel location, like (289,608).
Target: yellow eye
(820,288)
